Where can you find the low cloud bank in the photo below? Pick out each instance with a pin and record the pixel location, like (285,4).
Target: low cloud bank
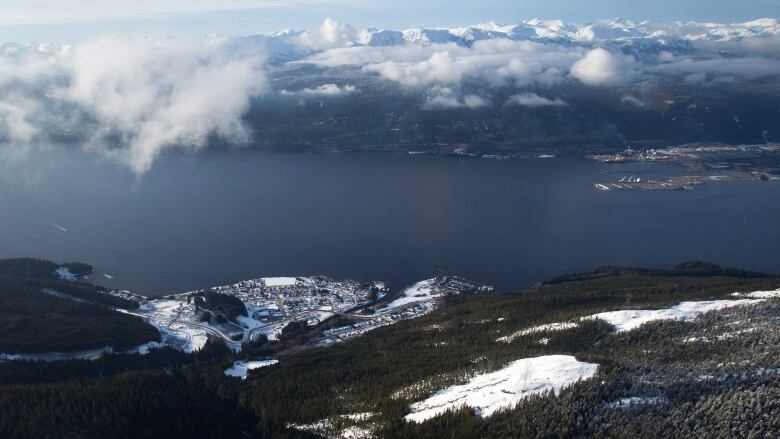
(128,99)
(533,100)
(447,100)
(322,90)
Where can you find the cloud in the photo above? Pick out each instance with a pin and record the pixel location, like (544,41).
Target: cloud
(760,46)
(447,100)
(748,68)
(600,67)
(533,100)
(632,100)
(322,90)
(506,58)
(129,99)
(496,61)
(329,35)
(15,119)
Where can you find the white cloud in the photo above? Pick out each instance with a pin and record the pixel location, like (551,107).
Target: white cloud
(750,67)
(497,61)
(533,100)
(632,100)
(322,90)
(131,98)
(600,67)
(505,58)
(16,119)
(446,100)
(759,46)
(329,35)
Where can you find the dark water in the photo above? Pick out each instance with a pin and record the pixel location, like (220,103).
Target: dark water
(213,218)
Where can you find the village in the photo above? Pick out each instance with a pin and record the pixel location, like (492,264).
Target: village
(701,163)
(268,305)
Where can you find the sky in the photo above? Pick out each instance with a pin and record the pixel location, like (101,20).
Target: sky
(68,21)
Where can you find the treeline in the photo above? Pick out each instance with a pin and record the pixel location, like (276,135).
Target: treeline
(693,268)
(41,274)
(142,404)
(19,372)
(163,394)
(79,269)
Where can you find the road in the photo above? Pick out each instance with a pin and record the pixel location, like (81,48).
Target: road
(211,330)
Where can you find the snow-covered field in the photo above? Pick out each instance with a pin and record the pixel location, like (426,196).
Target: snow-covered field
(326,428)
(504,388)
(560,326)
(239,369)
(685,311)
(421,291)
(626,320)
(759,294)
(168,317)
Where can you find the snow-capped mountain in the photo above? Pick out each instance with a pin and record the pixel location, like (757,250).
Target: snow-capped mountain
(536,29)
(633,37)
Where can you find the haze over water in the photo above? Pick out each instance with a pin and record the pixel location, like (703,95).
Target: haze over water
(218,217)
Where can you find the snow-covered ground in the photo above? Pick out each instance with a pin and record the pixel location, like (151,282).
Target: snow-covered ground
(325,427)
(759,294)
(171,318)
(239,369)
(146,347)
(626,320)
(64,274)
(88,354)
(504,388)
(633,401)
(279,281)
(419,292)
(558,326)
(685,311)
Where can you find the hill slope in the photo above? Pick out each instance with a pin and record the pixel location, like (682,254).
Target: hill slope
(696,372)
(40,312)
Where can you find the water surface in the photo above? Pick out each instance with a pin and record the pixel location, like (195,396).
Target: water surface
(218,217)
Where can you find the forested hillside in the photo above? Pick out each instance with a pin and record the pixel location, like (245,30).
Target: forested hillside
(715,375)
(39,312)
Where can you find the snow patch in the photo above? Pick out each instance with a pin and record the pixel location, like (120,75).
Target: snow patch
(627,320)
(64,274)
(279,281)
(504,388)
(559,326)
(165,315)
(419,292)
(637,400)
(146,348)
(759,294)
(239,369)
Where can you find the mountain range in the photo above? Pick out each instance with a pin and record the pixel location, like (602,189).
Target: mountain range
(541,86)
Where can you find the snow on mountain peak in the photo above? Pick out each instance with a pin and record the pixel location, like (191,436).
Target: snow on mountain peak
(331,34)
(762,22)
